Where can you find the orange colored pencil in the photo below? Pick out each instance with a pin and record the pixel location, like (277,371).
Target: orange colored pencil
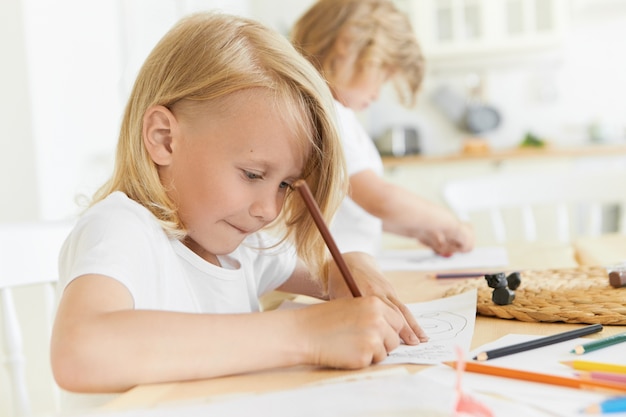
(542,378)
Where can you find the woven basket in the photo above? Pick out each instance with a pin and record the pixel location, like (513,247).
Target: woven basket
(573,295)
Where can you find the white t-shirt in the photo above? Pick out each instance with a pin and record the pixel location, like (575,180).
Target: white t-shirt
(353,228)
(121,239)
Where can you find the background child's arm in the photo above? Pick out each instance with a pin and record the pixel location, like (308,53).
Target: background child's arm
(407,214)
(101,344)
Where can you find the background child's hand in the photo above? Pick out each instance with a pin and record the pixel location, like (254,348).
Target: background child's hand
(349,333)
(371,281)
(447,242)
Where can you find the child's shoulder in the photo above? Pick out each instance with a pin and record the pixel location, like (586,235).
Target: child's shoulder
(120,211)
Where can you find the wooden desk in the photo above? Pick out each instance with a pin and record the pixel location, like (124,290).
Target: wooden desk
(601,251)
(412,287)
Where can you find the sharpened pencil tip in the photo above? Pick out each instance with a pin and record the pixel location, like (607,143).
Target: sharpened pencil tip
(592,409)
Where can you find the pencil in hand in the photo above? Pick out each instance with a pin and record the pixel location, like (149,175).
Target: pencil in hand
(311,204)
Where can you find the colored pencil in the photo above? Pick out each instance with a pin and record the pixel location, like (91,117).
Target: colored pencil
(537,343)
(596,366)
(612,405)
(602,376)
(461,275)
(563,381)
(600,343)
(314,209)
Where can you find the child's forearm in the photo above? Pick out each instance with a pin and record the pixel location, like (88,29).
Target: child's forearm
(114,351)
(100,343)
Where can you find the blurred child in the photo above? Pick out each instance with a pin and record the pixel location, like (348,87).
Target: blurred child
(161,277)
(358,45)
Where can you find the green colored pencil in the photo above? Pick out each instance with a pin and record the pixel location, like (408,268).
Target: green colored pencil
(599,344)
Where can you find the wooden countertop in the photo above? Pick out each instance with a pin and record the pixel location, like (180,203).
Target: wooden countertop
(590,150)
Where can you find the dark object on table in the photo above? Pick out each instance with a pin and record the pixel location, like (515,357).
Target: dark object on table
(497,280)
(514,280)
(617,278)
(504,286)
(502,296)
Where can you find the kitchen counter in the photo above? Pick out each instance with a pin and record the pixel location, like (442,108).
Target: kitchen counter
(496,156)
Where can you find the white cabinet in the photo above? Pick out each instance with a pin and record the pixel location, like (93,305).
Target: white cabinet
(453,30)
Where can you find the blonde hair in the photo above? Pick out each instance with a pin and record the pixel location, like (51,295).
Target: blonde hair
(376,32)
(205,57)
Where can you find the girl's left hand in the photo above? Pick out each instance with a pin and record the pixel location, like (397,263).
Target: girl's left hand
(370,281)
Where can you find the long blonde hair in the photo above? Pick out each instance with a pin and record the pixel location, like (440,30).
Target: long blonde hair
(376,31)
(206,56)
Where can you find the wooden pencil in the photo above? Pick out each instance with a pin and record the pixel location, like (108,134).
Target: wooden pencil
(563,381)
(314,209)
(537,343)
(611,405)
(599,344)
(602,376)
(596,366)
(460,275)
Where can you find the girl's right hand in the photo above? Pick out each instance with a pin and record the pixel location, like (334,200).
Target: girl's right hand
(349,333)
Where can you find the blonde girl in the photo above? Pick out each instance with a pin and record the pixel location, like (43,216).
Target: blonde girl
(161,277)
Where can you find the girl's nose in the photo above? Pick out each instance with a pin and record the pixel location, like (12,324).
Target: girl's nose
(267,207)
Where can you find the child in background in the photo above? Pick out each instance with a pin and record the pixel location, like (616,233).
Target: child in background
(160,279)
(358,45)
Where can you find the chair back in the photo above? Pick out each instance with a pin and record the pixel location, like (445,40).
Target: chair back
(28,273)
(531,206)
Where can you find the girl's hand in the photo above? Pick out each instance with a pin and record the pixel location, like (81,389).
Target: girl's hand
(371,281)
(349,333)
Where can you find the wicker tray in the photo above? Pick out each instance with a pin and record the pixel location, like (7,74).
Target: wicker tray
(574,295)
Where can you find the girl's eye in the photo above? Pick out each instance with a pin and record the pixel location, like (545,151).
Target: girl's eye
(285,184)
(252,175)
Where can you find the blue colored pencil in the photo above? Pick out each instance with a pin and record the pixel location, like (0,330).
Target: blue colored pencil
(612,405)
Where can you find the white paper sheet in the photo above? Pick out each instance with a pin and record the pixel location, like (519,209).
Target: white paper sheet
(427,260)
(399,395)
(448,322)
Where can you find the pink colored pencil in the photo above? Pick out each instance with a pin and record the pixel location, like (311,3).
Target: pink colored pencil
(602,376)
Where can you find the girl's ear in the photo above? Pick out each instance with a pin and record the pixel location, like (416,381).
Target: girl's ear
(343,45)
(158,125)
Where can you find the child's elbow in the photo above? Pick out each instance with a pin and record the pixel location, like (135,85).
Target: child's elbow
(76,365)
(69,371)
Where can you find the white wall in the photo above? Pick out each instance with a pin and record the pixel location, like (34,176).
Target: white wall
(71,66)
(18,182)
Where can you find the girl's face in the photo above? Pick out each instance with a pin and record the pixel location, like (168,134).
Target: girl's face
(360,90)
(233,162)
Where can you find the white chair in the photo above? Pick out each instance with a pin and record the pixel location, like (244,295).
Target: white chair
(28,260)
(578,203)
